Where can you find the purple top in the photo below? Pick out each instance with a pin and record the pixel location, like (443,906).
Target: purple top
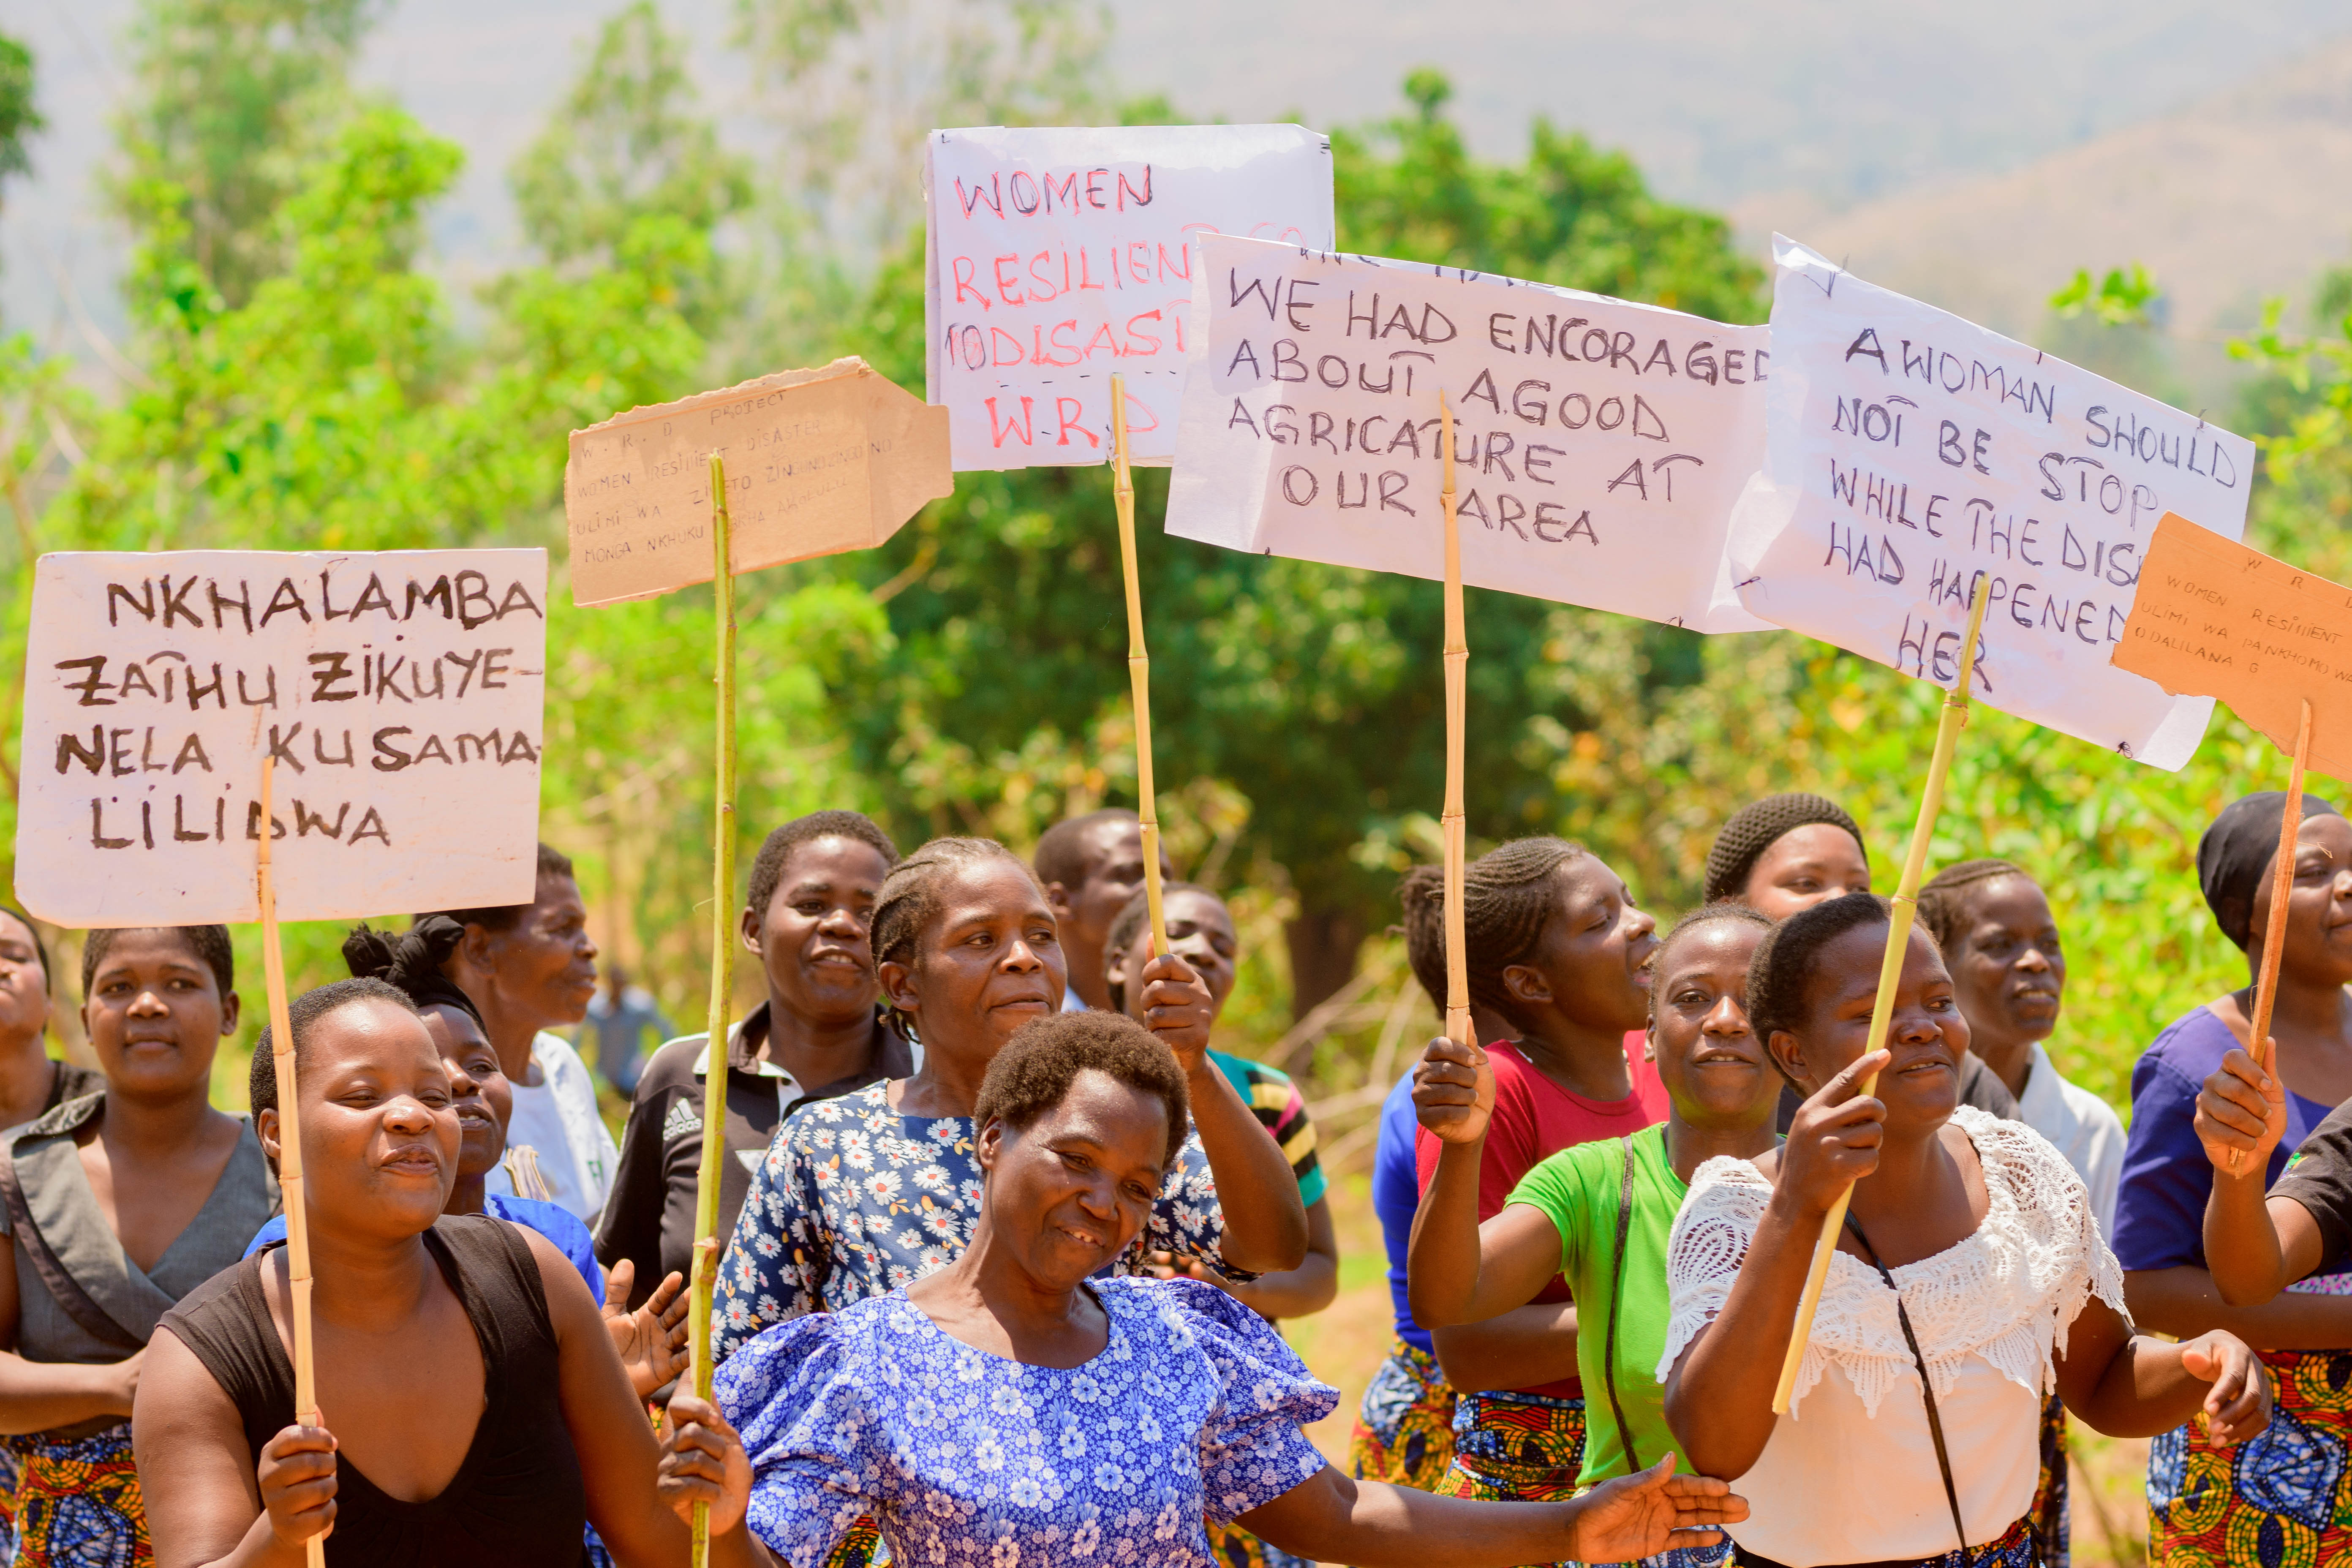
(1396,1194)
(2160,1210)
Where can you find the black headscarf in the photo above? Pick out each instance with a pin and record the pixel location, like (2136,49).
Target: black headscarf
(411,962)
(1756,828)
(2237,849)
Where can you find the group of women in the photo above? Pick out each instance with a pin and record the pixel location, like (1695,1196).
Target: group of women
(1007,1252)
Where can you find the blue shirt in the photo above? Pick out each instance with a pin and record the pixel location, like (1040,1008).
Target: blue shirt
(1193,1409)
(2160,1207)
(554,1221)
(1396,1195)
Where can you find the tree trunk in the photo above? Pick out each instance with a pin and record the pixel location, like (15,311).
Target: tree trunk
(1323,945)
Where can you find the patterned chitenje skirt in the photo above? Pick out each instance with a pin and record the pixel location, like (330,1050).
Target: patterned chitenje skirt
(78,1503)
(1528,1447)
(2280,1500)
(2047,1519)
(1404,1428)
(1231,1546)
(2014,1549)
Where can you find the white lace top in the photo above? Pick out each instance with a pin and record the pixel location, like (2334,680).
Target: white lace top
(1990,1313)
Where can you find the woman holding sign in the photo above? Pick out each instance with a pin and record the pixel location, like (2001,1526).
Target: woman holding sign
(477,1413)
(1969,1280)
(2200,1509)
(119,1203)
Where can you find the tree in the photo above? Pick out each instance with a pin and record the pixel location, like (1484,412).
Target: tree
(232,97)
(1312,691)
(623,148)
(18,118)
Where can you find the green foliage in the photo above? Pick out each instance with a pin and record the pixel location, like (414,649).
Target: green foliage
(231,98)
(623,148)
(2121,299)
(1571,215)
(18,118)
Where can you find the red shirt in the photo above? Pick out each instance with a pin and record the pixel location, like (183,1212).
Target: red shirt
(1535,1118)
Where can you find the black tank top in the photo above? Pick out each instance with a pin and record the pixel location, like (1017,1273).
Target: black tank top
(517,1501)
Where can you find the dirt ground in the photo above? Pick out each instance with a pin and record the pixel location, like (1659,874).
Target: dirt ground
(1344,1345)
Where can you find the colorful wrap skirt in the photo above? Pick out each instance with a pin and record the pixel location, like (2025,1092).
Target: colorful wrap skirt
(2280,1500)
(1404,1428)
(78,1503)
(2014,1549)
(2047,1519)
(1231,1546)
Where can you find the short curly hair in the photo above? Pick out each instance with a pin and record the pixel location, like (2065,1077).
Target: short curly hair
(303,1015)
(1728,909)
(1062,855)
(768,866)
(1035,1070)
(210,944)
(1944,901)
(1781,975)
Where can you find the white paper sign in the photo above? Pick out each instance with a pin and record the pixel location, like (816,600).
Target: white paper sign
(1600,445)
(1058,256)
(1912,451)
(400,690)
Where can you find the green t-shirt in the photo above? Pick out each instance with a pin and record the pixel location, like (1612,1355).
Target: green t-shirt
(1579,1189)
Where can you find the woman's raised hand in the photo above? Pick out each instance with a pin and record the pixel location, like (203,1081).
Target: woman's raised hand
(1651,1511)
(1453,1091)
(2240,1114)
(296,1472)
(2237,1405)
(702,1460)
(1178,1009)
(651,1340)
(1833,1141)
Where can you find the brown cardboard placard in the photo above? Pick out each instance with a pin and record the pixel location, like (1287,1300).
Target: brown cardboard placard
(2213,618)
(818,461)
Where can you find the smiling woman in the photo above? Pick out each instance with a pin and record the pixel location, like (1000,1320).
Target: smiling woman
(475,1409)
(1970,1280)
(862,1194)
(1018,1406)
(119,1203)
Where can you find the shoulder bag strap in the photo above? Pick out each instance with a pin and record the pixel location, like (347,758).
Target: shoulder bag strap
(1616,1300)
(63,1287)
(1926,1384)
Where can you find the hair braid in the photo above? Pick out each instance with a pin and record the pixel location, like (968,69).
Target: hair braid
(910,900)
(1507,899)
(1944,906)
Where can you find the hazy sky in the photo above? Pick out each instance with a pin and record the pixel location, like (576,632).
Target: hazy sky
(1814,105)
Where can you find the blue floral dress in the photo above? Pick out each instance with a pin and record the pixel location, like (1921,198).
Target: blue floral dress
(853,1201)
(968,1460)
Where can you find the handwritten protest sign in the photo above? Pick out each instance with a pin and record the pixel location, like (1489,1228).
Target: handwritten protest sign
(399,692)
(1911,450)
(2214,618)
(1602,444)
(1057,256)
(817,461)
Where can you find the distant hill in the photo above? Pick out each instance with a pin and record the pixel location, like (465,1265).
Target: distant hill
(2244,194)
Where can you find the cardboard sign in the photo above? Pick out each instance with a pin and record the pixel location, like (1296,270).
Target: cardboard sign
(2214,618)
(1600,445)
(1058,256)
(399,691)
(818,461)
(1911,452)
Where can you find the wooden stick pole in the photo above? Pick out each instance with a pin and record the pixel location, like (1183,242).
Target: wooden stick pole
(1890,973)
(1139,665)
(2282,888)
(1457,667)
(722,952)
(290,1146)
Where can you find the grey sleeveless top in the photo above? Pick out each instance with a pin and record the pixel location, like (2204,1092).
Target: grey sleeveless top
(63,1207)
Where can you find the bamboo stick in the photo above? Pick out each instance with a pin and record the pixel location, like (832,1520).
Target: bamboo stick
(722,952)
(290,1146)
(1139,665)
(2282,888)
(1954,720)
(1457,665)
